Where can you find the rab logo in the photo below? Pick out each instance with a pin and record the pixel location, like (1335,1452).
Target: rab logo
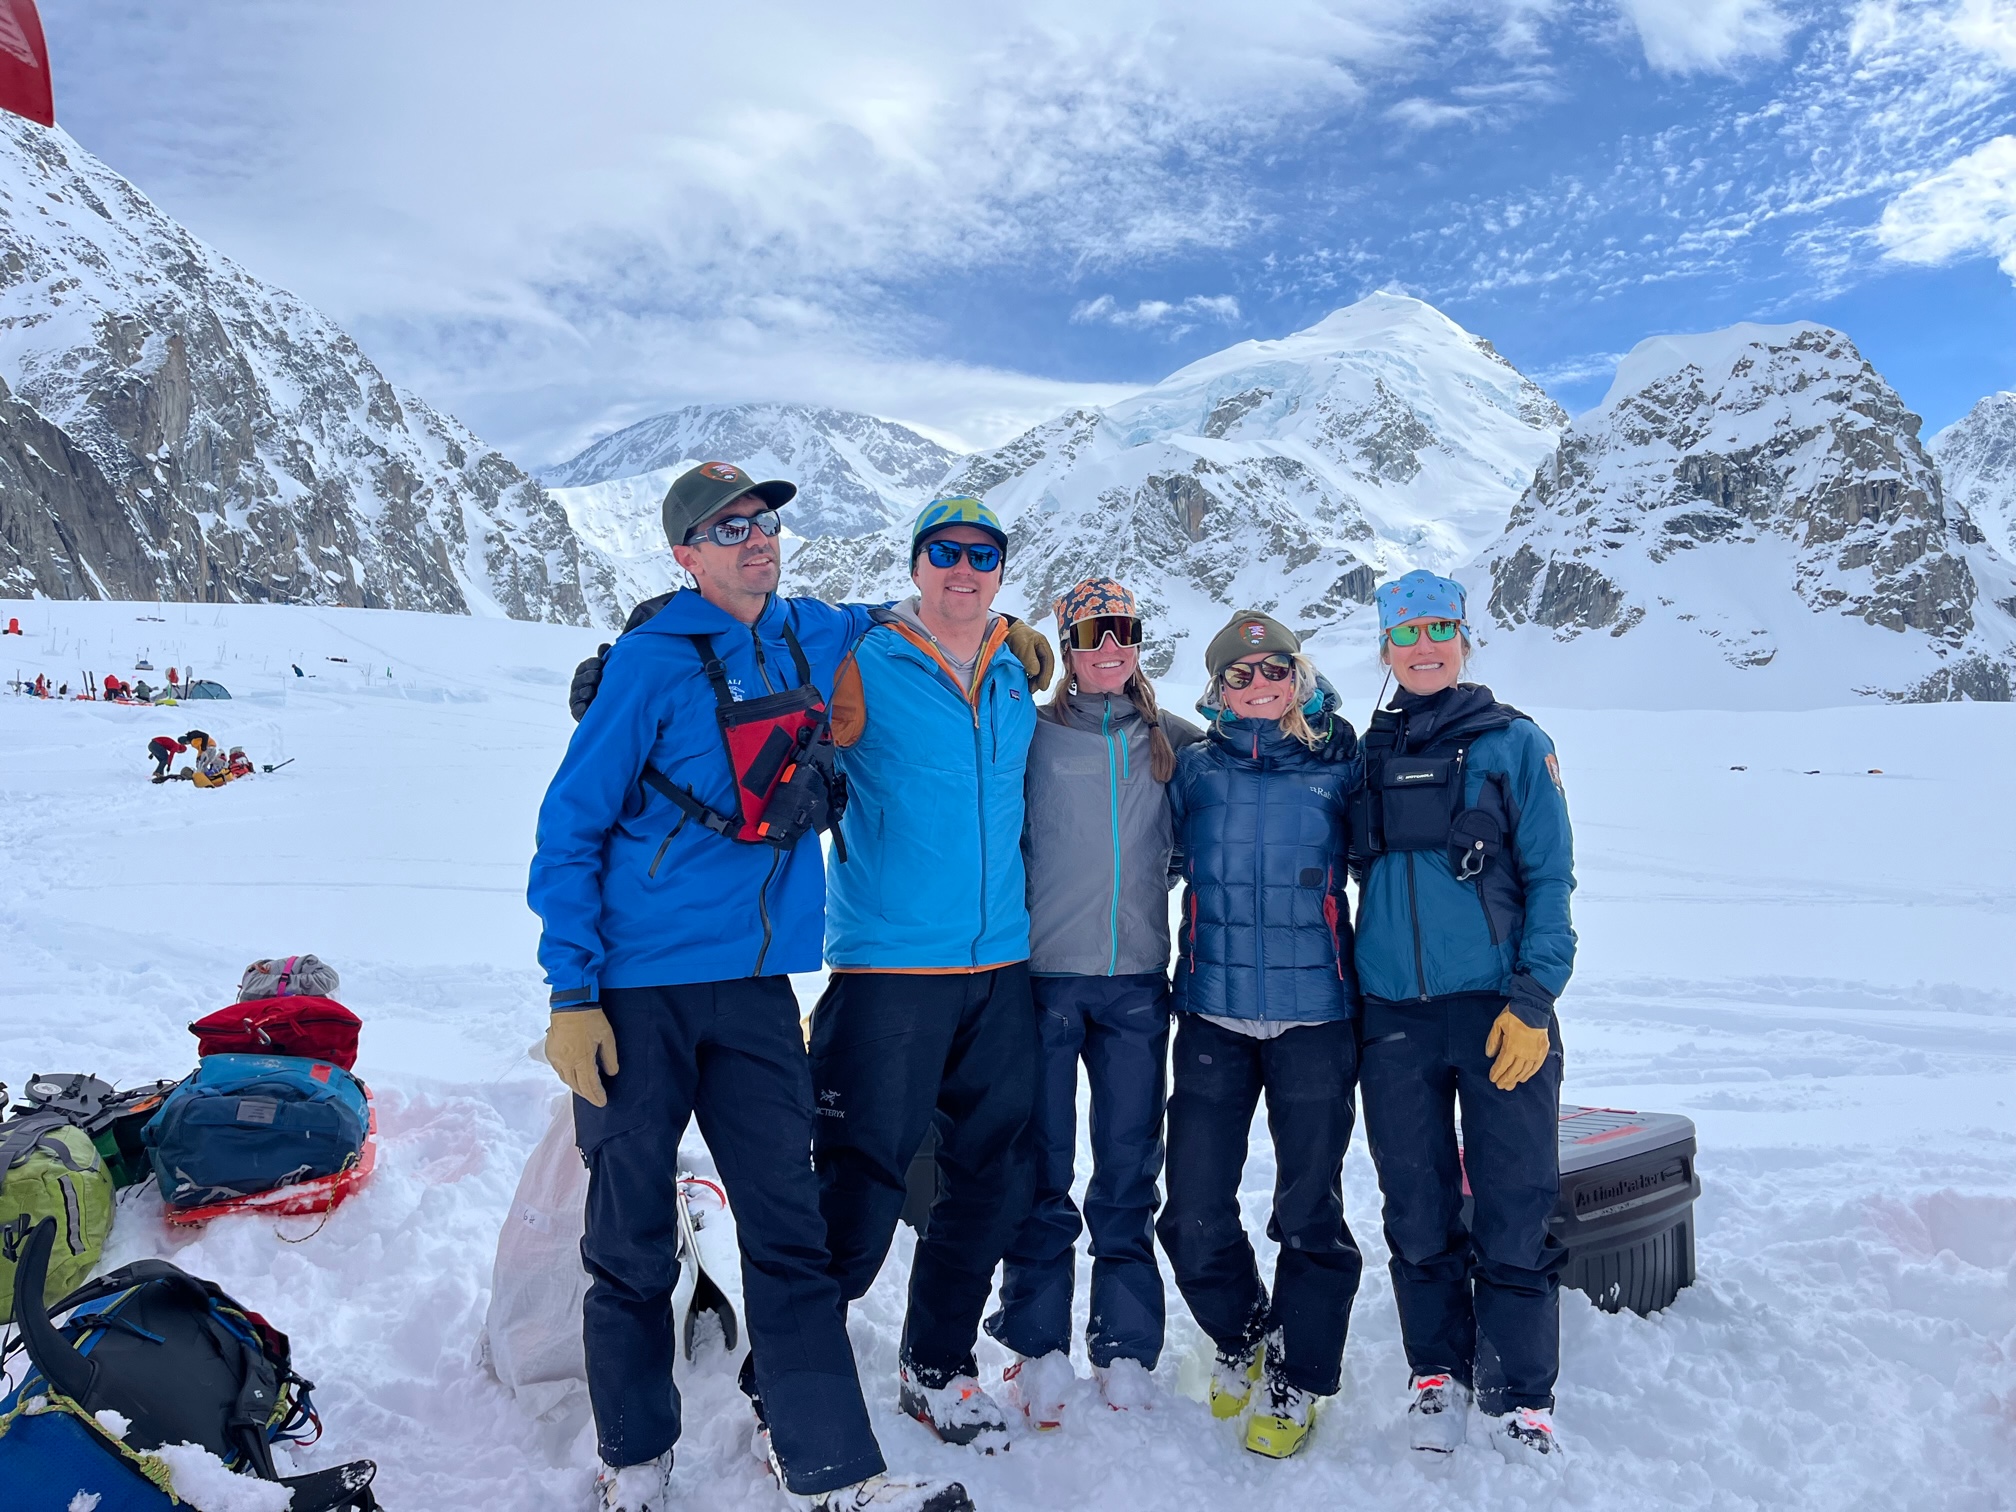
(1254,632)
(723,471)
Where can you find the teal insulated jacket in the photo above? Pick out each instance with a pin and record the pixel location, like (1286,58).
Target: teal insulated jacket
(933,879)
(1423,931)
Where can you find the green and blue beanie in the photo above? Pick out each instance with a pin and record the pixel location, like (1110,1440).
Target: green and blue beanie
(959,509)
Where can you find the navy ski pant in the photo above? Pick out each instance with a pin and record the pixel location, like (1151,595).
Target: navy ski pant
(891,1050)
(1307,1075)
(1119,1027)
(1490,1285)
(732,1054)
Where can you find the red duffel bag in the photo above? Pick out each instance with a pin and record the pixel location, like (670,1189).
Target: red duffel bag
(317,1027)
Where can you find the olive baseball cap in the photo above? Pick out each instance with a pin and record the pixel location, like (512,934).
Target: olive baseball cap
(1248,631)
(702,491)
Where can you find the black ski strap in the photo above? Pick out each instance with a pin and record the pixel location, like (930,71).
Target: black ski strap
(693,808)
(717,674)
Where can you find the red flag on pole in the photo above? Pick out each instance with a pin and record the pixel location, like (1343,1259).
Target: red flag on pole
(24,63)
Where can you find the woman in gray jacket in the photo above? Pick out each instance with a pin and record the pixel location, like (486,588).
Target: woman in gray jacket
(1097,841)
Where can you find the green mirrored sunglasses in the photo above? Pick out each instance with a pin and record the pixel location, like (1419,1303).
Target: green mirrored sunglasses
(1438,630)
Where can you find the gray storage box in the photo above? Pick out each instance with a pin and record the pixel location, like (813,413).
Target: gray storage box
(1626,1215)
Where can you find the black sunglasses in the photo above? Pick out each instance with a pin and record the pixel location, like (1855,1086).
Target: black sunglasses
(1277,668)
(733,530)
(984,557)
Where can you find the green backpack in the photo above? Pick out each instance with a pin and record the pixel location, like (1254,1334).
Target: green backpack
(49,1168)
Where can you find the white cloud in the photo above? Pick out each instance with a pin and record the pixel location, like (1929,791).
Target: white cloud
(1106,310)
(1418,114)
(1967,208)
(1694,36)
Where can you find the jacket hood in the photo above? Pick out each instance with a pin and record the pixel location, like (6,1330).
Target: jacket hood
(906,611)
(1466,709)
(1089,708)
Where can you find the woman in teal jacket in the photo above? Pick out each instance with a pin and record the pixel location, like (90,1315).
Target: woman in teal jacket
(1462,851)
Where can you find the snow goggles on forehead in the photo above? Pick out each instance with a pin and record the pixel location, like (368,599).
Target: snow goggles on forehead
(734,530)
(1276,668)
(984,556)
(1438,630)
(1090,634)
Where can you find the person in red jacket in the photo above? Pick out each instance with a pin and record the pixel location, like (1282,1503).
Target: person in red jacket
(164,749)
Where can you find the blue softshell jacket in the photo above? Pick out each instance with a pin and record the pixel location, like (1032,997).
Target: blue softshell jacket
(630,891)
(1261,823)
(934,878)
(1422,932)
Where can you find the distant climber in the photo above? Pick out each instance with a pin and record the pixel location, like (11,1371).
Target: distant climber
(164,749)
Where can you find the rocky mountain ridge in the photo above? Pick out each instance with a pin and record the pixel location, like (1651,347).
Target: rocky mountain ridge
(1977,459)
(1758,498)
(177,429)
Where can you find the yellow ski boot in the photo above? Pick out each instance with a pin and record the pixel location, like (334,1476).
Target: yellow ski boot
(1281,1419)
(1232,1378)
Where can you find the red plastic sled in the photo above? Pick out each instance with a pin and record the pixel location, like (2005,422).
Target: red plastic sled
(302,1200)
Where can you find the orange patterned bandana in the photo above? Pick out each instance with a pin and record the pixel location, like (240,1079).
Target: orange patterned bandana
(1090,599)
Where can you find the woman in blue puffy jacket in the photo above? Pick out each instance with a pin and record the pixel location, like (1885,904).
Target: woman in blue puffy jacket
(1461,845)
(1265,996)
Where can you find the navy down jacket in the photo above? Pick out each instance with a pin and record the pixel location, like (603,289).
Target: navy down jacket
(1261,822)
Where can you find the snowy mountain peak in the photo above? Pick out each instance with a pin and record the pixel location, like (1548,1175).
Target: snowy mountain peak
(1756,500)
(1287,475)
(1977,458)
(185,431)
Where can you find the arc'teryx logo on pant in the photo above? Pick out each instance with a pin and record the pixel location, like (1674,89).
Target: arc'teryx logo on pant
(827,1099)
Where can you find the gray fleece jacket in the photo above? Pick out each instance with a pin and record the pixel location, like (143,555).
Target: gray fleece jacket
(1097,839)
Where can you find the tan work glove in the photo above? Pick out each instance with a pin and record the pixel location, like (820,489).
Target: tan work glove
(574,1042)
(1519,1047)
(1032,649)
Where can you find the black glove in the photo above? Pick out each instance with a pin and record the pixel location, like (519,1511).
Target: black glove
(1340,742)
(587,683)
(588,676)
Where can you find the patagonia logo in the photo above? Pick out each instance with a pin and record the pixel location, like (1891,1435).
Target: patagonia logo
(1016,694)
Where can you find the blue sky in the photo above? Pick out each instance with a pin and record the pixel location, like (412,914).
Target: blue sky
(554,224)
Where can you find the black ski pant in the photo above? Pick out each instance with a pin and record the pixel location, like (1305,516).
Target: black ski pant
(891,1051)
(732,1055)
(1489,1287)
(1119,1027)
(1307,1075)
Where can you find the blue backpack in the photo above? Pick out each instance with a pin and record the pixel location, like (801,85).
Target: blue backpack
(242,1124)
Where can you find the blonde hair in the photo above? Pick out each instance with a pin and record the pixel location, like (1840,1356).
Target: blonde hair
(1294,723)
(1141,693)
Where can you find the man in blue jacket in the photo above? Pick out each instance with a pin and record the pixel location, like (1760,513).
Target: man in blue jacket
(666,942)
(928,1016)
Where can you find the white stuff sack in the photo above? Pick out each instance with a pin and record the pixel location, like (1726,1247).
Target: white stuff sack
(532,1333)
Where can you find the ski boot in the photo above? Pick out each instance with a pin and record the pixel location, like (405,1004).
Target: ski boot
(1126,1386)
(635,1488)
(1525,1436)
(1232,1378)
(1281,1419)
(1438,1419)
(959,1412)
(1038,1386)
(882,1492)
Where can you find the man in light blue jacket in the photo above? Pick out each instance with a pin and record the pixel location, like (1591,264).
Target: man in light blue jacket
(928,1014)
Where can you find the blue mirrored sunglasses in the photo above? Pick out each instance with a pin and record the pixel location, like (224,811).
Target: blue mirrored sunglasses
(985,557)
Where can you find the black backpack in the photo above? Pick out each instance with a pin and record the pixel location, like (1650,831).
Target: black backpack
(182,1362)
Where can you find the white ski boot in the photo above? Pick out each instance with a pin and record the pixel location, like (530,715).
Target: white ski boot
(889,1493)
(959,1412)
(1127,1386)
(1038,1387)
(1525,1436)
(1438,1419)
(635,1488)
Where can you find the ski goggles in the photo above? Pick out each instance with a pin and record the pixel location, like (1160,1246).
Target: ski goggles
(985,556)
(1276,668)
(1438,631)
(734,530)
(1090,634)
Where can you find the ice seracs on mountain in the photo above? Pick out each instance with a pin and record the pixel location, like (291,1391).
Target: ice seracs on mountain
(855,474)
(1748,516)
(1977,459)
(1286,475)
(177,429)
